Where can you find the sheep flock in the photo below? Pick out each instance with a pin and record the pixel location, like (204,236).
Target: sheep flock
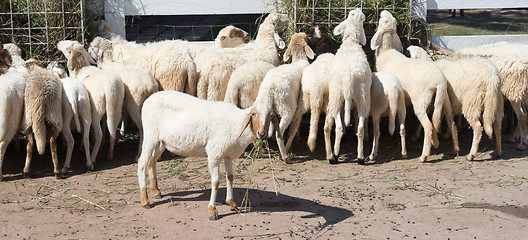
(214,100)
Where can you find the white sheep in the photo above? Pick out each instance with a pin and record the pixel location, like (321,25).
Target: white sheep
(474,90)
(12,85)
(387,99)
(139,85)
(513,69)
(42,113)
(280,87)
(421,80)
(76,107)
(216,65)
(189,126)
(169,62)
(350,83)
(228,37)
(244,83)
(106,95)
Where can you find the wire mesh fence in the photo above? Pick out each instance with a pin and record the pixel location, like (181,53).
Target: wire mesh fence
(36,26)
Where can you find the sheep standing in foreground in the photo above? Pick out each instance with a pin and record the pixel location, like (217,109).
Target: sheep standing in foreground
(474,90)
(280,87)
(12,85)
(106,95)
(169,62)
(216,65)
(244,83)
(76,107)
(321,42)
(421,80)
(351,79)
(189,126)
(43,114)
(387,99)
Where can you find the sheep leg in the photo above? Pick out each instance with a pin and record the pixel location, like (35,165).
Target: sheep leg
(144,159)
(54,157)
(314,123)
(329,122)
(360,136)
(123,123)
(135,114)
(284,122)
(86,143)
(29,149)
(448,112)
(98,136)
(417,133)
(112,129)
(70,142)
(338,133)
(376,132)
(3,147)
(152,172)
(497,128)
(215,179)
(521,123)
(477,135)
(428,131)
(229,182)
(402,113)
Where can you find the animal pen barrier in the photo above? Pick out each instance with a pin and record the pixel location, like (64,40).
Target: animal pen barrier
(36,26)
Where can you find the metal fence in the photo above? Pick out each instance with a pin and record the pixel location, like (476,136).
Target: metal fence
(36,26)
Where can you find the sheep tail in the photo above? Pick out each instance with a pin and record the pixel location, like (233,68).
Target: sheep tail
(348,108)
(38,119)
(493,106)
(394,101)
(441,95)
(75,109)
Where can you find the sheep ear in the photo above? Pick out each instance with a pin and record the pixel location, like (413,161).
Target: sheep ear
(340,28)
(396,43)
(309,52)
(286,56)
(276,126)
(245,123)
(376,40)
(90,59)
(278,41)
(362,37)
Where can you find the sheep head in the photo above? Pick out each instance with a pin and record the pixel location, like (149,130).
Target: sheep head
(5,60)
(33,64)
(416,52)
(78,58)
(231,36)
(387,27)
(298,48)
(352,27)
(57,69)
(101,49)
(259,119)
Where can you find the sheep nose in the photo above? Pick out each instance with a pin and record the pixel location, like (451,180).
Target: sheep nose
(261,134)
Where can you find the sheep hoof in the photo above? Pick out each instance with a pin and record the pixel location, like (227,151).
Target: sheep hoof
(361,161)
(404,155)
(213,213)
(64,170)
(58,175)
(497,155)
(333,160)
(521,146)
(25,174)
(157,196)
(90,167)
(232,205)
(470,157)
(423,158)
(146,206)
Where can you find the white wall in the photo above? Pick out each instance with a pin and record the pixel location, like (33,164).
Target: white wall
(116,10)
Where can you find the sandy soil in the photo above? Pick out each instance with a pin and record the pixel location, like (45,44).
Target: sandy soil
(392,198)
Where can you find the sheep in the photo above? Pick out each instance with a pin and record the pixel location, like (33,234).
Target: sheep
(216,66)
(76,107)
(139,85)
(474,90)
(106,95)
(513,69)
(244,83)
(321,42)
(280,87)
(12,86)
(169,62)
(42,114)
(387,98)
(421,80)
(228,37)
(189,126)
(5,60)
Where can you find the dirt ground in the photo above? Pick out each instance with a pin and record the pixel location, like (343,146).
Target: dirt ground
(392,198)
